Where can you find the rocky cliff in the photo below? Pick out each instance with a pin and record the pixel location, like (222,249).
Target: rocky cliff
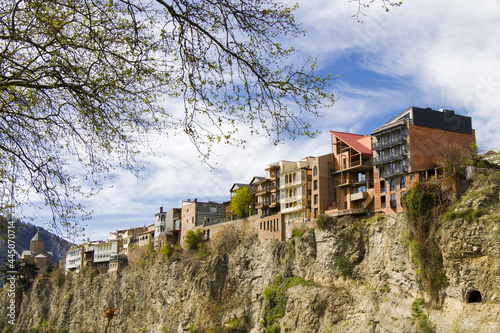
(357,275)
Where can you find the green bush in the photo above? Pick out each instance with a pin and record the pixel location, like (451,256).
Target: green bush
(424,204)
(344,266)
(324,221)
(167,250)
(193,239)
(298,232)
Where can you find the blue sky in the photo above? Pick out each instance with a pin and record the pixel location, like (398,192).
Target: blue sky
(439,54)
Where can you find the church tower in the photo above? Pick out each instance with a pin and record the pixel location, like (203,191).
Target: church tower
(37,243)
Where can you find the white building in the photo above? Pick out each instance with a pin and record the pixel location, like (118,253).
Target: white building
(74,260)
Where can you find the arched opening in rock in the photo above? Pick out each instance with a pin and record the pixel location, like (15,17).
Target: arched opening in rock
(474,296)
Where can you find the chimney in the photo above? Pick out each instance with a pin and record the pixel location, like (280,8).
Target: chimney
(161,209)
(195,199)
(189,200)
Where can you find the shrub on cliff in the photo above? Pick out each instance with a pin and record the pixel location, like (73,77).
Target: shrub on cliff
(193,239)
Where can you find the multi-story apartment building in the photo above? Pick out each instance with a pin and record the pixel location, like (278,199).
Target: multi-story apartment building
(295,190)
(167,226)
(267,193)
(405,147)
(322,185)
(195,214)
(352,174)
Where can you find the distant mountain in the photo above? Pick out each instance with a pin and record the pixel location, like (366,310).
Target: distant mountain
(25,232)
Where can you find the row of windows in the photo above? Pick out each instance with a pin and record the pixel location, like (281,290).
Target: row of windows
(271,225)
(392,184)
(393,202)
(392,152)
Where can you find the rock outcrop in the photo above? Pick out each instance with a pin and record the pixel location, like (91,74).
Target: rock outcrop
(363,280)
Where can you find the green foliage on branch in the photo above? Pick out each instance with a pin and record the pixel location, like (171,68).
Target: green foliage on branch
(83,85)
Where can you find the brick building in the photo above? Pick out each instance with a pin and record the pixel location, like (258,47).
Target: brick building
(405,147)
(352,174)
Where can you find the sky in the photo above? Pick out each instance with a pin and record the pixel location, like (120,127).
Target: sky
(438,54)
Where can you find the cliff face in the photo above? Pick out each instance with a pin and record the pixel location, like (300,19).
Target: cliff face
(364,281)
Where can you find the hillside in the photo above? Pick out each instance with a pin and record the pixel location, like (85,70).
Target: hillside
(357,275)
(25,232)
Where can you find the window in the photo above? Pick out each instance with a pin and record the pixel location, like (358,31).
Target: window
(315,184)
(402,197)
(402,182)
(401,135)
(393,185)
(345,204)
(403,166)
(315,171)
(381,140)
(382,201)
(393,200)
(315,199)
(402,150)
(361,177)
(391,137)
(382,186)
(391,152)
(392,167)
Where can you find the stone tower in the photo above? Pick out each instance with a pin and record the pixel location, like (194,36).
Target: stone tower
(37,243)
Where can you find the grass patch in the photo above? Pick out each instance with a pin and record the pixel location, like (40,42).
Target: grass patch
(344,265)
(469,215)
(420,319)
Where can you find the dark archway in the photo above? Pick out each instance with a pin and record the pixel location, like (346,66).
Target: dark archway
(474,296)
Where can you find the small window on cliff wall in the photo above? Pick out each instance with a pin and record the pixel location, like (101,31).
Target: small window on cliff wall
(474,296)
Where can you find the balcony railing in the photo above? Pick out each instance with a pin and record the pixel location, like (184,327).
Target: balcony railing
(395,141)
(389,157)
(359,196)
(261,191)
(393,171)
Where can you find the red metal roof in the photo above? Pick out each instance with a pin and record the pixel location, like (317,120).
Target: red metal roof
(353,140)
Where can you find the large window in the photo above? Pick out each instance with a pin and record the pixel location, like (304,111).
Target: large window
(393,185)
(402,182)
(393,200)
(315,171)
(361,177)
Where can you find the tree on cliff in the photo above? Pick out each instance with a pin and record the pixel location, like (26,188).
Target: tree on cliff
(83,84)
(242,201)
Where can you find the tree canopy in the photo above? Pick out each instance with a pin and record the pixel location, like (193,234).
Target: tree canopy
(83,84)
(242,201)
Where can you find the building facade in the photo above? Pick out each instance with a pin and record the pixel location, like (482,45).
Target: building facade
(352,174)
(405,147)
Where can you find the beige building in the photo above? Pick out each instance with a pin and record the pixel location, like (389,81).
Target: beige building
(37,253)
